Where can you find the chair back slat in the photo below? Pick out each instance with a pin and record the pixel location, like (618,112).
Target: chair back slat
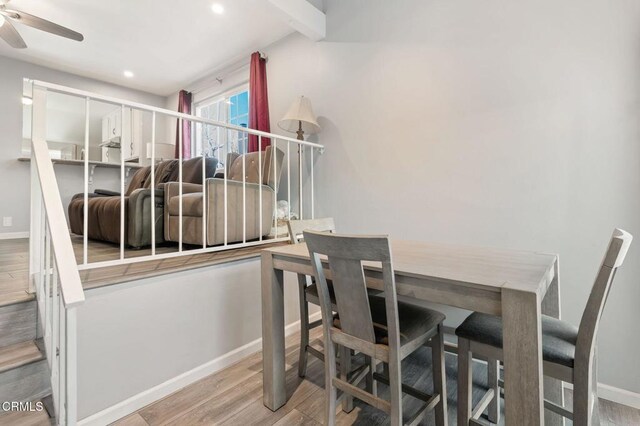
(613,259)
(352,300)
(345,255)
(297,227)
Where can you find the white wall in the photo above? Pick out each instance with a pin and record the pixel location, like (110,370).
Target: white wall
(15,175)
(507,124)
(134,336)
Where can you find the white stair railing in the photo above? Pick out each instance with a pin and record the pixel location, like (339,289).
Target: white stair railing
(54,276)
(229,139)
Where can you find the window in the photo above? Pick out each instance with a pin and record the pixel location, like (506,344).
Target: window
(231,108)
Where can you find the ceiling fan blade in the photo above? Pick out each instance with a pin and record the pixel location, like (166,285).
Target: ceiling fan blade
(43,24)
(9,34)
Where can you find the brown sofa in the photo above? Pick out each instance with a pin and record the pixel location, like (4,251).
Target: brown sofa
(192,202)
(104,206)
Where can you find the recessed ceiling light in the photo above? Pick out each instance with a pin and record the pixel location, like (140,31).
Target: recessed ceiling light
(128,74)
(27,100)
(217,8)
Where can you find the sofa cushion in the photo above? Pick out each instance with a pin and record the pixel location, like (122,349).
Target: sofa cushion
(139,179)
(103,218)
(192,170)
(163,172)
(191,205)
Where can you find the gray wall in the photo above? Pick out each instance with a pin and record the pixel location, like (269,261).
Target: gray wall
(14,175)
(137,335)
(506,124)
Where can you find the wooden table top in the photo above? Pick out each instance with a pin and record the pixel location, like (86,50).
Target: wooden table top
(489,268)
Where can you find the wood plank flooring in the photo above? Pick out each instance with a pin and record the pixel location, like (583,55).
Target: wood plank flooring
(233,396)
(14,264)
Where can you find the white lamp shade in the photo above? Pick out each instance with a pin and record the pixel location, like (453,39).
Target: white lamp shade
(164,151)
(300,111)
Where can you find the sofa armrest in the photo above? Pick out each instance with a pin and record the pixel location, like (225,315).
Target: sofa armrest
(139,226)
(172,189)
(89,195)
(106,193)
(251,214)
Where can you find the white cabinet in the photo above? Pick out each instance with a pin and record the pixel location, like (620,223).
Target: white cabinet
(125,135)
(110,155)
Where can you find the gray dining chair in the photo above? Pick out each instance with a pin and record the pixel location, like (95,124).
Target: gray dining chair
(378,326)
(308,292)
(568,352)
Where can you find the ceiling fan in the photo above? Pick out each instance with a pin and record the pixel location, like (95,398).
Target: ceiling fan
(9,33)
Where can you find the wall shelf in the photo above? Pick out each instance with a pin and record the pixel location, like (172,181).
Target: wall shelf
(91,163)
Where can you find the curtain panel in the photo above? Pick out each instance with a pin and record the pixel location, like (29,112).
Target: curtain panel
(258,101)
(184,105)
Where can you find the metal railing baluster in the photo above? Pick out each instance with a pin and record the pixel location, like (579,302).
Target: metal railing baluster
(313,211)
(122,200)
(85,207)
(288,180)
(204,196)
(244,194)
(153,183)
(261,182)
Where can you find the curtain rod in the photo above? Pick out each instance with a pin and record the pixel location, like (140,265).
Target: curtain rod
(219,76)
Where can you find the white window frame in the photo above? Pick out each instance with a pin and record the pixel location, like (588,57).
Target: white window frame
(228,140)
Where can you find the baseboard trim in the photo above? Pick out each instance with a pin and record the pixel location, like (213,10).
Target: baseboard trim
(13,235)
(614,394)
(136,402)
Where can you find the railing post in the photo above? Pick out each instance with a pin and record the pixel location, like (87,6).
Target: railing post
(36,237)
(71,367)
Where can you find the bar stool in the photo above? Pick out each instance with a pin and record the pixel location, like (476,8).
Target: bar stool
(568,352)
(380,327)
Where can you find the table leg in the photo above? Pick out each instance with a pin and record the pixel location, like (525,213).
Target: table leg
(552,387)
(273,368)
(522,357)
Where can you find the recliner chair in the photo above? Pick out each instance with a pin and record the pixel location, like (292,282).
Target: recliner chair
(192,202)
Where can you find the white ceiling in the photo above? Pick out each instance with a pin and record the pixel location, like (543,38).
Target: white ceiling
(167,44)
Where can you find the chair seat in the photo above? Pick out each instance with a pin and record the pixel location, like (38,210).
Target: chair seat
(314,297)
(558,337)
(414,321)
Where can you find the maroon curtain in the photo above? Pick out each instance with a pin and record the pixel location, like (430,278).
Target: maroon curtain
(184,105)
(258,101)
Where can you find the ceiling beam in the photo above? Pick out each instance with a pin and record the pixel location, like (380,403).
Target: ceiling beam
(304,17)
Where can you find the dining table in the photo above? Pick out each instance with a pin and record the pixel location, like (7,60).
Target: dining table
(520,286)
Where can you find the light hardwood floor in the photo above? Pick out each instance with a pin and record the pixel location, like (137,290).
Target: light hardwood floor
(233,397)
